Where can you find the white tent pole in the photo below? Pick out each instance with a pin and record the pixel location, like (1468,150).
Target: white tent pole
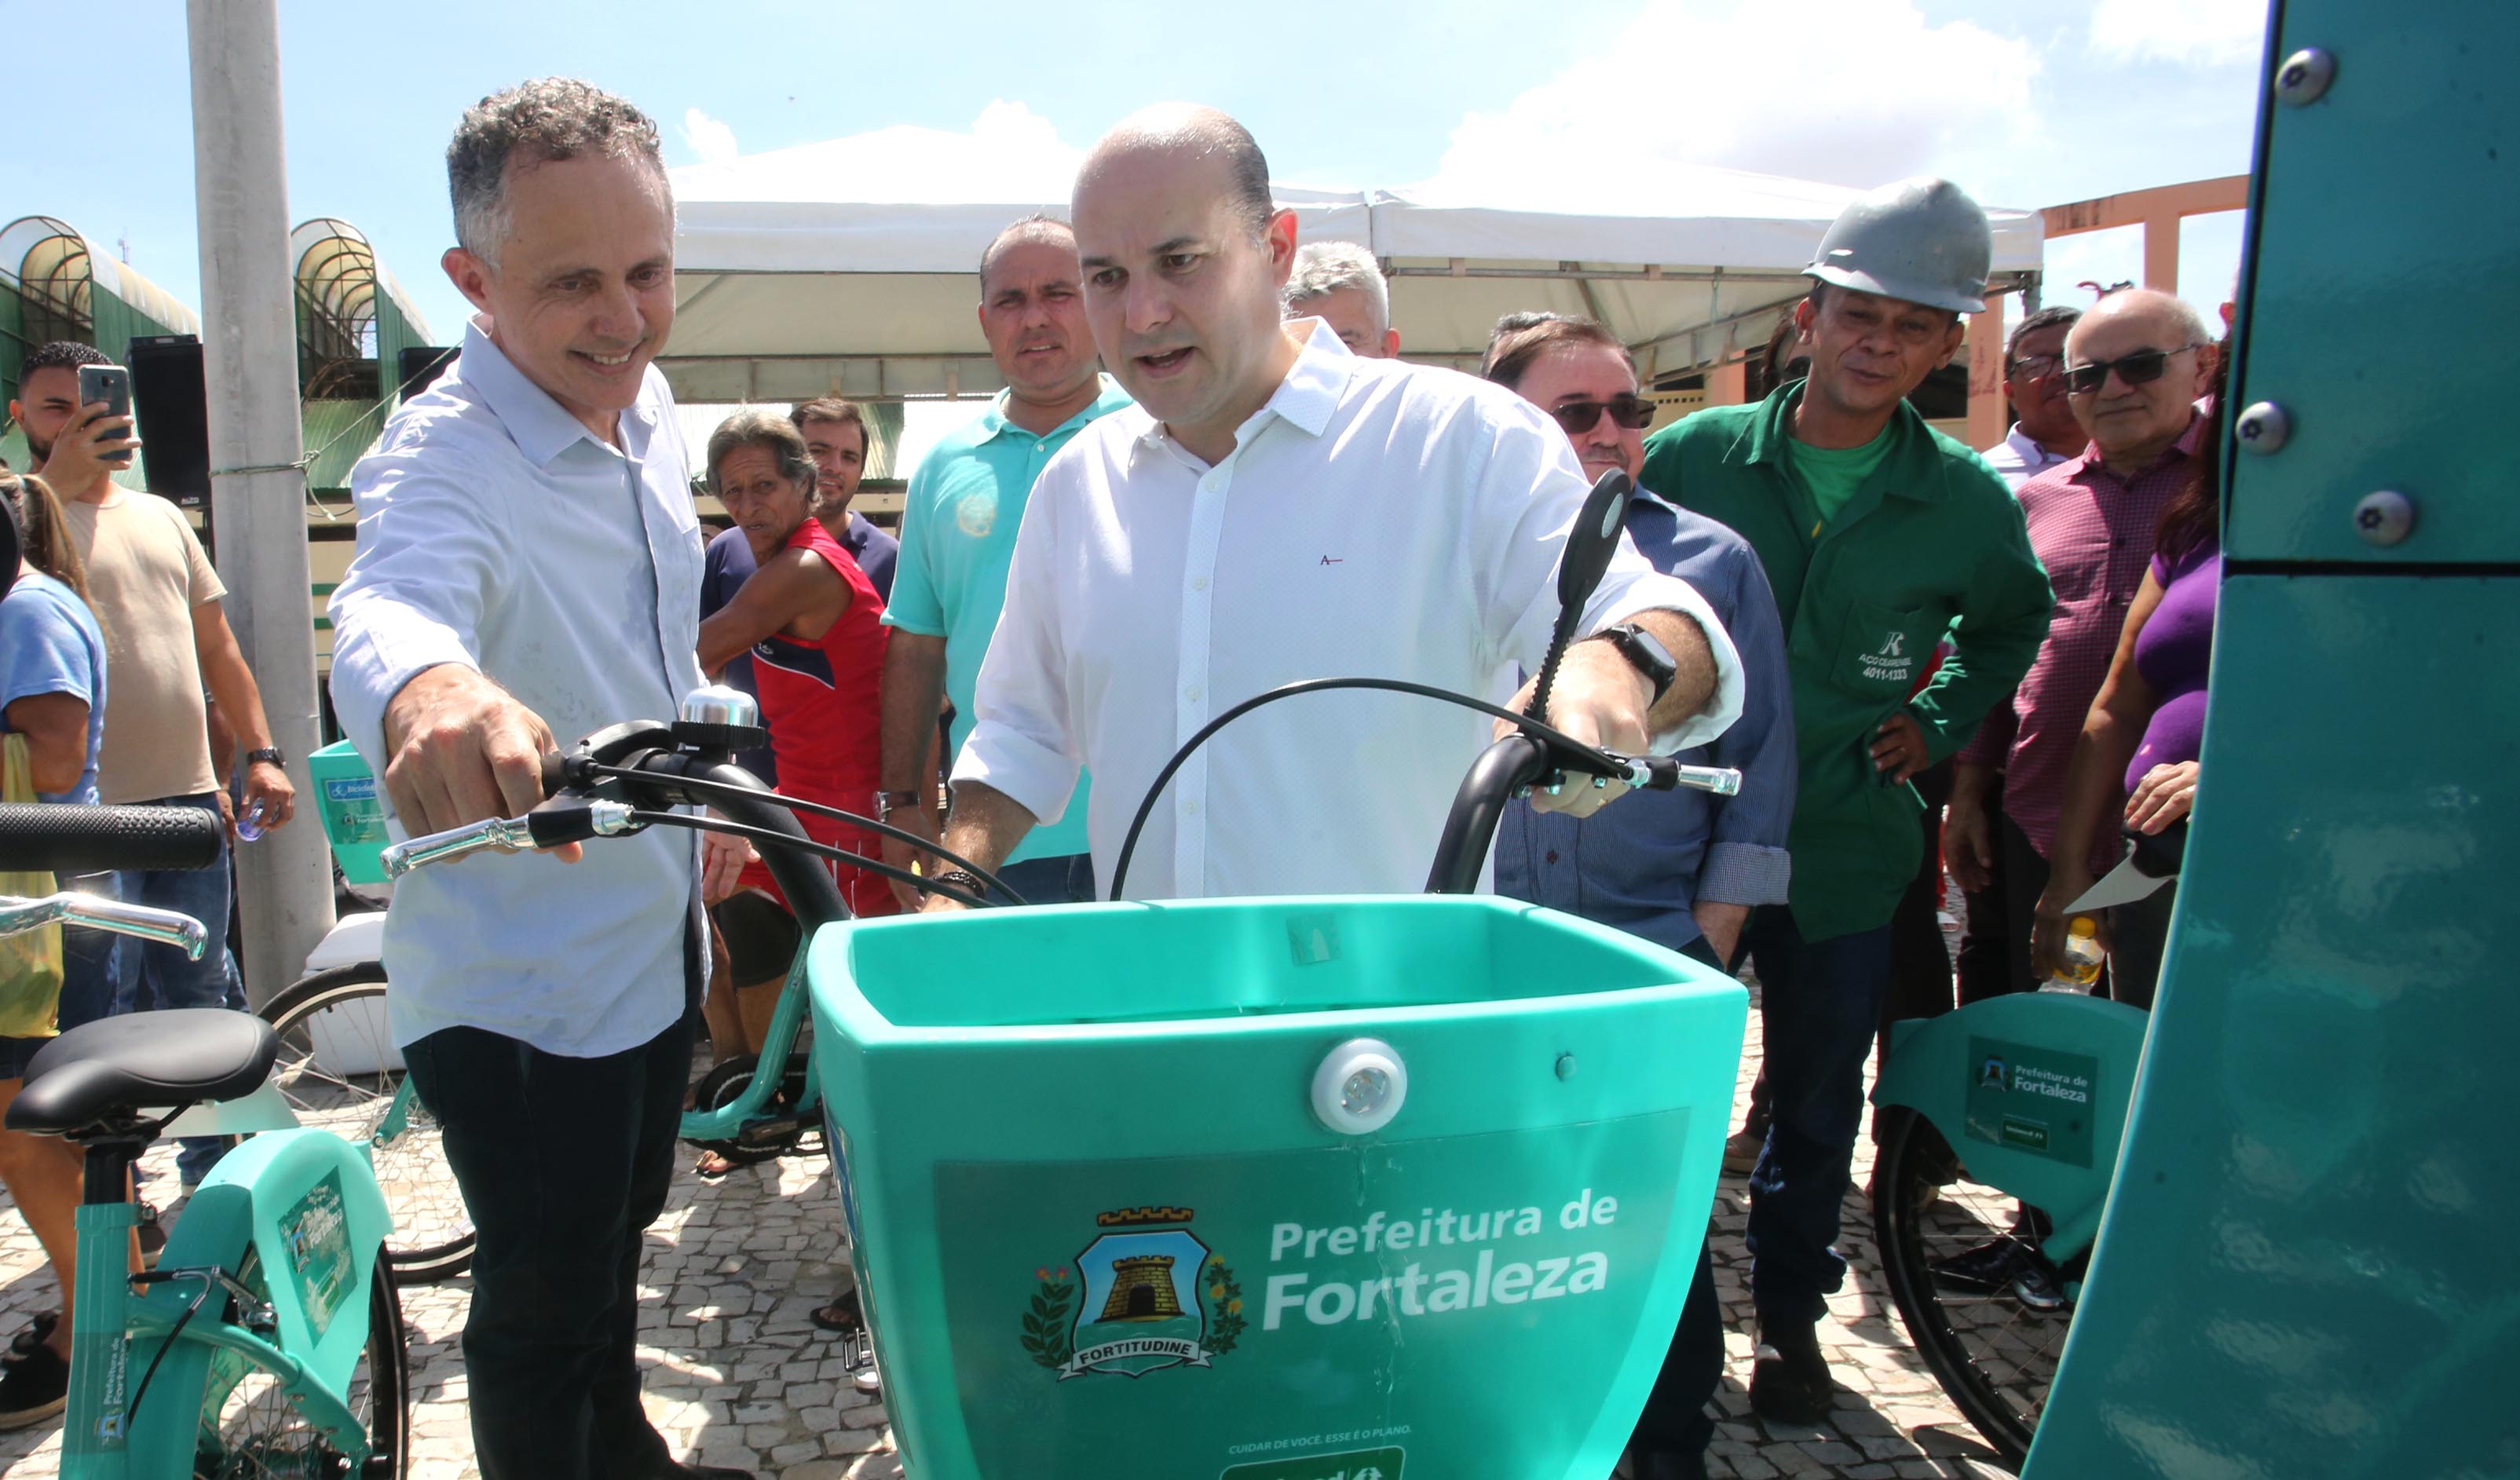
(259,490)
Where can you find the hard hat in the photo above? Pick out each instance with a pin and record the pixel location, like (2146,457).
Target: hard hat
(1922,240)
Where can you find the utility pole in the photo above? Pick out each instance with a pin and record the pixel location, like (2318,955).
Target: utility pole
(259,490)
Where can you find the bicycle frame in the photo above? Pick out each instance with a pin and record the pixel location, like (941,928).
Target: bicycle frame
(300,1208)
(728,1121)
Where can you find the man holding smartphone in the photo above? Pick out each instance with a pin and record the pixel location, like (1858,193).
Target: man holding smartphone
(167,639)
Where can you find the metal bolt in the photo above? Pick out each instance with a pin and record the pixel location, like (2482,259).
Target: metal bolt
(2263,428)
(2304,76)
(2384,519)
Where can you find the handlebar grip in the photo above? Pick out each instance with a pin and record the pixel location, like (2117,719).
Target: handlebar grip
(70,839)
(555,774)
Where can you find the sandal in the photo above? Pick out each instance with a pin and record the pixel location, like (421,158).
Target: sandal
(842,1315)
(713,1165)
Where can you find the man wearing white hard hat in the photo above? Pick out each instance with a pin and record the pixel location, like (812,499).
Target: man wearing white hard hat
(1883,539)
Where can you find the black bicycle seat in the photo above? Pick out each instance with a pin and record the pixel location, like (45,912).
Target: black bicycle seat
(102,1070)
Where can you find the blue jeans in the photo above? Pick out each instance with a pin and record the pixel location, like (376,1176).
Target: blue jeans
(156,976)
(1067,879)
(1820,1004)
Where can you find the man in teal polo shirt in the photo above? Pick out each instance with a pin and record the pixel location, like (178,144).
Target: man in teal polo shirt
(1882,538)
(958,532)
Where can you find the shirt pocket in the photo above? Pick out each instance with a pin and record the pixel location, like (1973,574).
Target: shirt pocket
(1882,650)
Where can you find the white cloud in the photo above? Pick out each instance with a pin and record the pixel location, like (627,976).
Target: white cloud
(1851,92)
(2196,33)
(709,138)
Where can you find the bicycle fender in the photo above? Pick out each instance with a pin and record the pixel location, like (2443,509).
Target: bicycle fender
(317,1220)
(2030,1090)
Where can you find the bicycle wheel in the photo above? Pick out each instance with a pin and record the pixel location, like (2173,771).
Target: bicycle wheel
(1980,1303)
(251,1430)
(338,1069)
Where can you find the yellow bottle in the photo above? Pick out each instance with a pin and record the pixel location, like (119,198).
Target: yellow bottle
(2083,955)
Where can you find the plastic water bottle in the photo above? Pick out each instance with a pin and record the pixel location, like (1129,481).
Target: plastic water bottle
(248,818)
(2083,955)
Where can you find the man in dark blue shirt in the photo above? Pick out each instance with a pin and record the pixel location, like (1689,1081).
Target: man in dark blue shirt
(1682,868)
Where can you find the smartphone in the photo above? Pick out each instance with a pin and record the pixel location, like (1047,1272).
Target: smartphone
(111,384)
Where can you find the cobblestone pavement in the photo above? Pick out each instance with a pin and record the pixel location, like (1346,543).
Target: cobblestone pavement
(739,1376)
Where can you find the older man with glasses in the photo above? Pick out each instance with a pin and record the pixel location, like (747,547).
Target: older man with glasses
(2133,372)
(1683,870)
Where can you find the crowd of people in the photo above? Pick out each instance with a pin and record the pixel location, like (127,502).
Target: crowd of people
(1208,474)
(121,681)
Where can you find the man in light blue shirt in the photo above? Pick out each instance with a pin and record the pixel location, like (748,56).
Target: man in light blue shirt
(958,534)
(528,569)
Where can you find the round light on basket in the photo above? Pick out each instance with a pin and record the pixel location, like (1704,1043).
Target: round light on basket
(1360,1087)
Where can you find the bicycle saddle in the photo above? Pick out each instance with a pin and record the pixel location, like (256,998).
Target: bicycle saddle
(119,1065)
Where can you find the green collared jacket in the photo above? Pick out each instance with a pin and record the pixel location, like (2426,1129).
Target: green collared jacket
(1930,547)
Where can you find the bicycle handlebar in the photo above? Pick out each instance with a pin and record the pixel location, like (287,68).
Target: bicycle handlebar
(53,838)
(165,926)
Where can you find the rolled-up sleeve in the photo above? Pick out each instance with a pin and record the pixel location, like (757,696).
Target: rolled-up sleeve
(1528,498)
(1746,861)
(428,551)
(1023,740)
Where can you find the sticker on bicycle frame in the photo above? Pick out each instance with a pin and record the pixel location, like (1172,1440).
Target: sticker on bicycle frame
(316,1234)
(1353,1464)
(2033,1099)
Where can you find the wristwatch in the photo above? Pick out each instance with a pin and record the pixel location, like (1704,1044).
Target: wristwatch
(270,753)
(887,804)
(1647,651)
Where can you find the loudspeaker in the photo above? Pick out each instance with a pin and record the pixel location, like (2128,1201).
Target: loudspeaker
(422,364)
(172,404)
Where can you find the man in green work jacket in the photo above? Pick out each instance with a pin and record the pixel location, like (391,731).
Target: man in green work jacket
(1882,539)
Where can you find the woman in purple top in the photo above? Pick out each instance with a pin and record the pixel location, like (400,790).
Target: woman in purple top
(2144,733)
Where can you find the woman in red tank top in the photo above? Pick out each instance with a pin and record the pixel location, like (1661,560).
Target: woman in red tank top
(814,629)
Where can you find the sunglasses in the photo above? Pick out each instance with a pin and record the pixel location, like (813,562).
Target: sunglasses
(2142,368)
(1628,409)
(2037,367)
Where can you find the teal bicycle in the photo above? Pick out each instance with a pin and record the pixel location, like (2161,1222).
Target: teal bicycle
(268,1340)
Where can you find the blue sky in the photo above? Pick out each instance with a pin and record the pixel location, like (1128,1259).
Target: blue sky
(2031,103)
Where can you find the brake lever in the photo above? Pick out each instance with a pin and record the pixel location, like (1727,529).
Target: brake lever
(1650,773)
(561,820)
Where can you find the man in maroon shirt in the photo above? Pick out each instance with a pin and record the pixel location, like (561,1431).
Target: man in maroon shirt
(2133,370)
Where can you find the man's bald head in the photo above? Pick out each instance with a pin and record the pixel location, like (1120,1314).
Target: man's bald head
(2167,312)
(1187,130)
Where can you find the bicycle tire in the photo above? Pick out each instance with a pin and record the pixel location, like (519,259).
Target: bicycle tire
(433,1233)
(250,1431)
(1992,1356)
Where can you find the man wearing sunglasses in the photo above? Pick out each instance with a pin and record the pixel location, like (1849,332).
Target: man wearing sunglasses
(1881,538)
(2133,367)
(1682,868)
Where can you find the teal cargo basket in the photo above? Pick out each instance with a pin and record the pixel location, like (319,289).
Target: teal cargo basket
(1270,1189)
(346,799)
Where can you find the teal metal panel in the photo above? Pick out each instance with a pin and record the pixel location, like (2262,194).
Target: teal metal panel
(2306,1268)
(2387,287)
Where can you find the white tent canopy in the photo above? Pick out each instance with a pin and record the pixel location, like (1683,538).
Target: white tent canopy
(850,267)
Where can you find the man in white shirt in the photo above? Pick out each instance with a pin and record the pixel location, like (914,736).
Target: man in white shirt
(2044,432)
(1275,508)
(528,568)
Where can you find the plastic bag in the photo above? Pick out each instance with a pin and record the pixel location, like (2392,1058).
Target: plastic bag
(30,961)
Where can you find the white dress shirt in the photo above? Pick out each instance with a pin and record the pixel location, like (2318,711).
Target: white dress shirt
(2019,458)
(1374,518)
(497,532)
